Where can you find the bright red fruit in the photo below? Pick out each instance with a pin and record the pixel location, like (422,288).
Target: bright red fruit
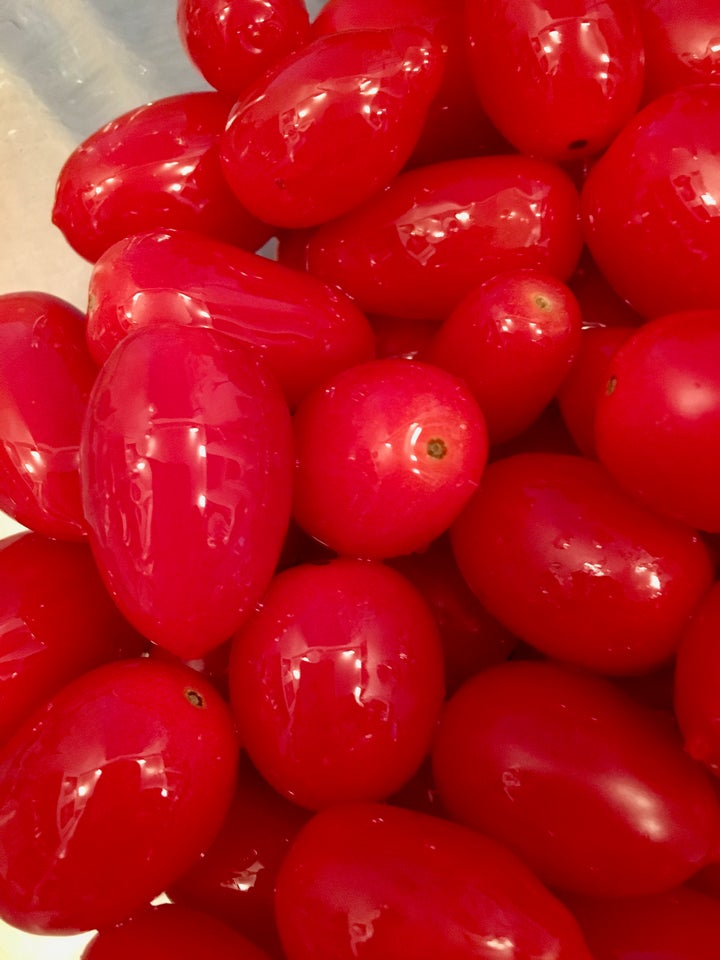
(304,330)
(388,454)
(570,563)
(591,789)
(416,249)
(331,125)
(109,792)
(153,168)
(46,375)
(170,932)
(232,44)
(512,340)
(650,204)
(558,79)
(378,882)
(682,44)
(337,681)
(658,417)
(186,467)
(56,622)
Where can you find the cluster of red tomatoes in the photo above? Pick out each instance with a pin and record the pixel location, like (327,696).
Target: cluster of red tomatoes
(369,603)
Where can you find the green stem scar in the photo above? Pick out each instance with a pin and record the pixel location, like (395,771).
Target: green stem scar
(436,448)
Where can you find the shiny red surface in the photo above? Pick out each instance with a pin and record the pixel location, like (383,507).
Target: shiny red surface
(232,44)
(650,205)
(438,231)
(56,622)
(512,339)
(153,168)
(591,789)
(332,125)
(303,329)
(573,565)
(336,682)
(378,882)
(109,792)
(388,453)
(46,375)
(558,78)
(186,467)
(682,44)
(658,418)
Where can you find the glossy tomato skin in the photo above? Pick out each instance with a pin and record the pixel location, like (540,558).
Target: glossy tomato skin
(681,924)
(388,453)
(109,792)
(304,330)
(187,468)
(56,621)
(456,126)
(573,565)
(169,932)
(337,681)
(436,232)
(153,168)
(234,880)
(46,375)
(658,417)
(649,204)
(591,790)
(681,44)
(234,44)
(512,340)
(332,125)
(378,881)
(557,79)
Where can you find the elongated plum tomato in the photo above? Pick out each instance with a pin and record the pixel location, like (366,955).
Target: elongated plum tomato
(650,202)
(568,561)
(388,453)
(304,330)
(232,44)
(337,681)
(153,168)
(418,247)
(681,44)
(591,789)
(46,375)
(378,881)
(186,468)
(109,792)
(166,931)
(657,420)
(558,79)
(56,621)
(332,125)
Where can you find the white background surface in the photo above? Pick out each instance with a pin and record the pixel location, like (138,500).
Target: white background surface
(66,68)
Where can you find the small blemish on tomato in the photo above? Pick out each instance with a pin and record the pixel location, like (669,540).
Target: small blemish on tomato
(611,384)
(436,448)
(194,698)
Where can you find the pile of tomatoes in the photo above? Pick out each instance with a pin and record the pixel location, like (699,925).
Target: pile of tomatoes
(368,606)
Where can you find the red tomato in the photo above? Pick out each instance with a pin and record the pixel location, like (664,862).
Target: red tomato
(234,880)
(331,126)
(421,245)
(650,205)
(570,563)
(153,168)
(558,78)
(599,304)
(109,792)
(379,882)
(46,375)
(186,468)
(512,340)
(337,681)
(388,454)
(658,418)
(232,44)
(397,337)
(591,789)
(304,330)
(682,44)
(169,932)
